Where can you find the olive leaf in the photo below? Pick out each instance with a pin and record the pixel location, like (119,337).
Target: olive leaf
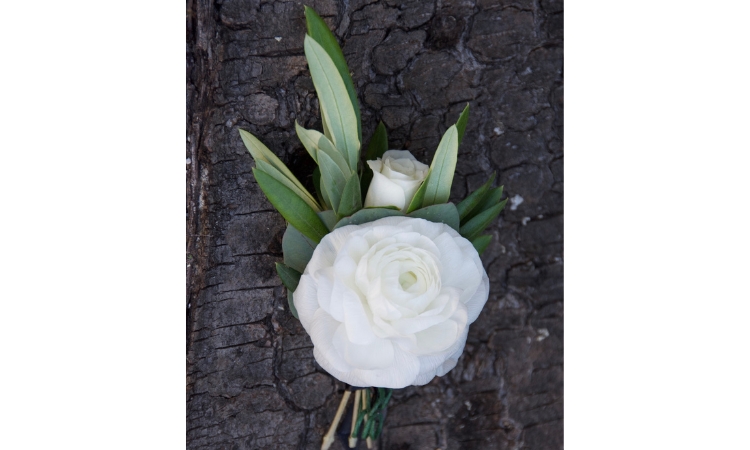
(351,198)
(478,223)
(336,107)
(440,177)
(467,205)
(480,243)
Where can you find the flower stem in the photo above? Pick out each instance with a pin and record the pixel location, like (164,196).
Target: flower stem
(329,437)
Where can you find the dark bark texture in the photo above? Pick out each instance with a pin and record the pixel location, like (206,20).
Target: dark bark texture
(252,382)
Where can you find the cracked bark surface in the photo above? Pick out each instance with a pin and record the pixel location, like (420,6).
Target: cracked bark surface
(252,382)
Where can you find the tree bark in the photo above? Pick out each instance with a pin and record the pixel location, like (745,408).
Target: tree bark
(252,382)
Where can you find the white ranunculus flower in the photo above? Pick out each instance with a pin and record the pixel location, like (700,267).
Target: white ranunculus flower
(389,303)
(396,178)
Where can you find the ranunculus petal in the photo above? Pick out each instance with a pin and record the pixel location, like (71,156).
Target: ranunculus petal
(388,303)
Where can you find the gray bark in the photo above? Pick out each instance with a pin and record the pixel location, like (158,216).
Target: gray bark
(252,382)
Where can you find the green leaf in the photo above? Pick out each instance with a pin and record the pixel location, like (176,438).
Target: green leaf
(329,218)
(378,143)
(351,198)
(290,300)
(336,106)
(290,279)
(444,213)
(309,139)
(476,225)
(292,208)
(278,176)
(260,152)
(297,248)
(416,201)
(440,177)
(491,198)
(289,276)
(318,190)
(468,204)
(481,243)
(463,119)
(318,30)
(332,179)
(367,215)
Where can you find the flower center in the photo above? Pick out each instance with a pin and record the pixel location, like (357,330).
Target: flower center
(407,280)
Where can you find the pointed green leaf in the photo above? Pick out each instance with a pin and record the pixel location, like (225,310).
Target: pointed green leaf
(260,152)
(309,139)
(292,208)
(378,145)
(318,190)
(463,119)
(367,215)
(303,193)
(416,201)
(439,181)
(351,198)
(481,243)
(318,30)
(491,198)
(477,225)
(336,106)
(289,277)
(297,248)
(475,198)
(443,213)
(332,179)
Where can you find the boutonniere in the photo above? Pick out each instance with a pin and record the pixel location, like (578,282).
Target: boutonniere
(381,269)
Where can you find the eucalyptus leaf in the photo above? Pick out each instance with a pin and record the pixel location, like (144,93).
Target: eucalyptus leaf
(335,104)
(463,119)
(477,225)
(351,198)
(444,213)
(290,300)
(278,176)
(440,178)
(329,218)
(289,277)
(367,215)
(318,30)
(481,243)
(260,152)
(297,248)
(292,208)
(332,179)
(467,205)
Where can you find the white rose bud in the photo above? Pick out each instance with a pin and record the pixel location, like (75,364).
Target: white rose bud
(388,303)
(396,178)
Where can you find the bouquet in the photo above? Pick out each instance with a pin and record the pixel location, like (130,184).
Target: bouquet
(380,268)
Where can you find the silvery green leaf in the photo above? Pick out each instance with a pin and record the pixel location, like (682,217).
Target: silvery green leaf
(329,218)
(318,30)
(480,243)
(318,189)
(463,119)
(440,178)
(351,198)
(416,201)
(289,277)
(333,179)
(309,139)
(297,248)
(368,215)
(278,176)
(443,213)
(478,223)
(467,205)
(335,104)
(260,152)
(292,208)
